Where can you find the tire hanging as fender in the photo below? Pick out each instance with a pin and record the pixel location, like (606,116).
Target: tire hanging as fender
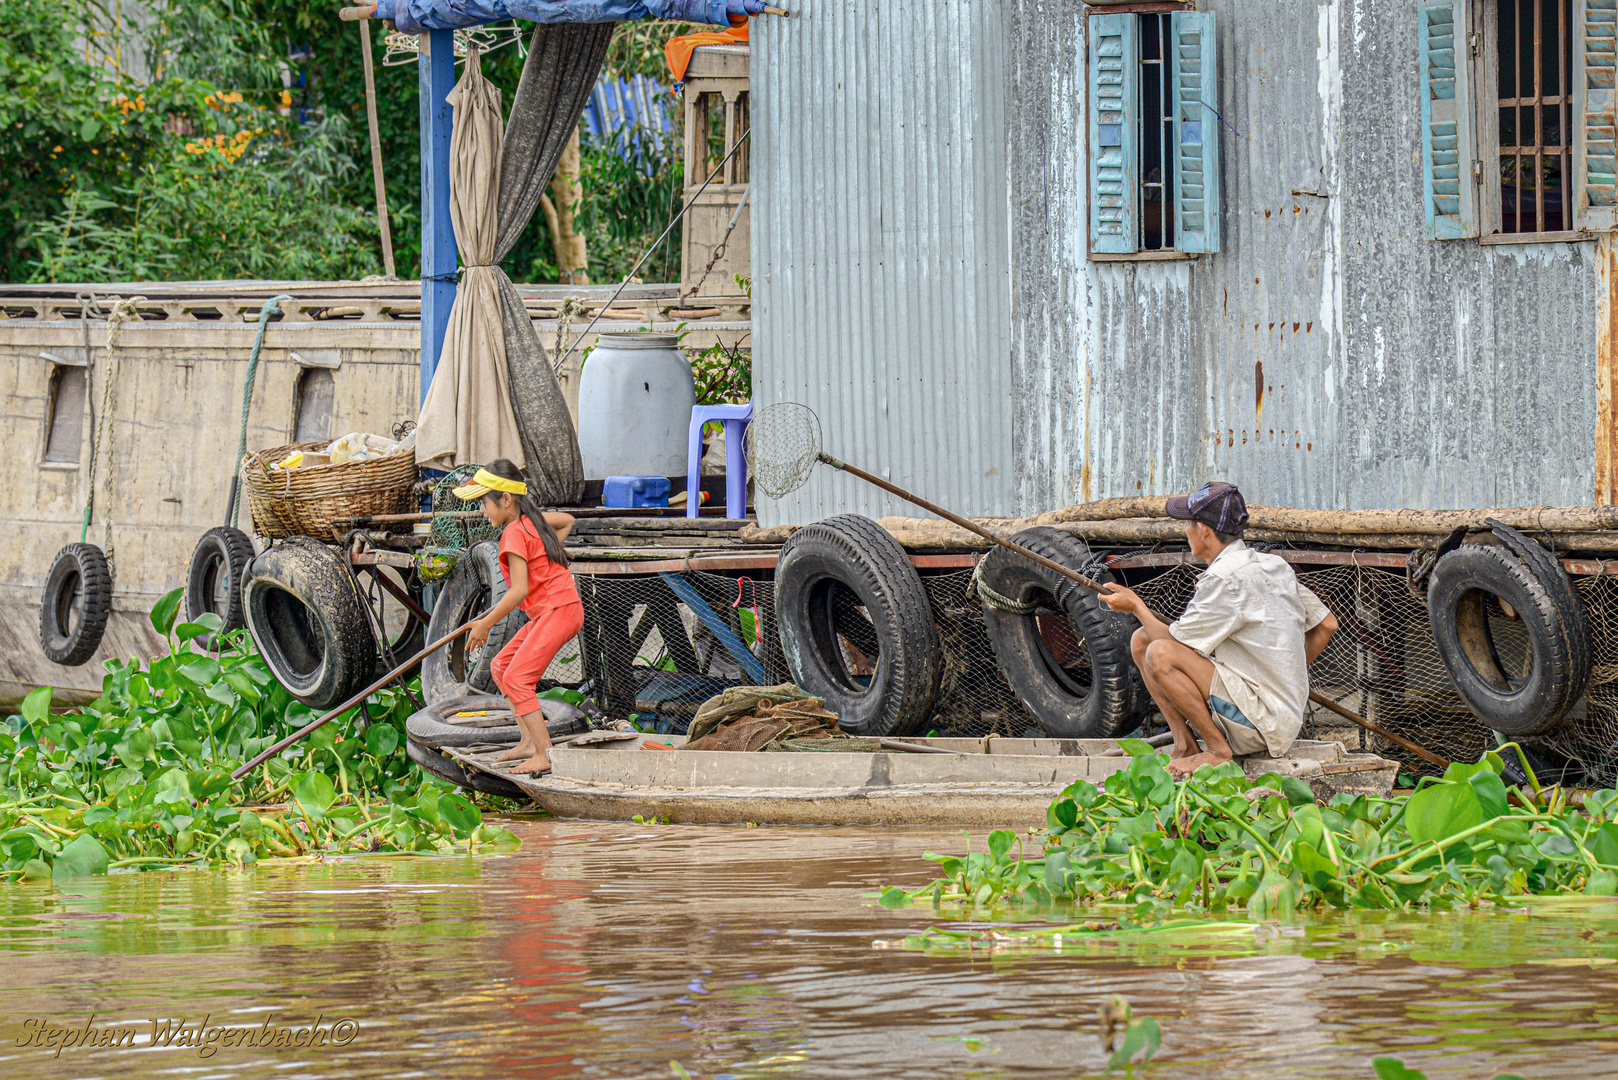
(1511,631)
(213,580)
(308,624)
(77,603)
(474,587)
(1065,653)
(857,627)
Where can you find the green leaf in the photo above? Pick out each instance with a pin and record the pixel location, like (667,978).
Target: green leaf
(1297,792)
(164,611)
(563,693)
(1000,842)
(382,739)
(1441,811)
(1388,1068)
(89,129)
(315,793)
(1310,861)
(1066,811)
(1275,898)
(95,815)
(1136,747)
(84,855)
(203,671)
(893,898)
(249,825)
(1603,844)
(459,814)
(1602,883)
(36,707)
(187,631)
(242,685)
(1491,793)
(207,782)
(222,693)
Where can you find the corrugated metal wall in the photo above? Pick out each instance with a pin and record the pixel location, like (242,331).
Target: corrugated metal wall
(1328,356)
(880,246)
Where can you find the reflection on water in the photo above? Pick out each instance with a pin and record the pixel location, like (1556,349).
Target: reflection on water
(607,951)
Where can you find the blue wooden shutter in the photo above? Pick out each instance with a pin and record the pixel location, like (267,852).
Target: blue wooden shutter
(1446,120)
(1595,148)
(1194,79)
(1114,64)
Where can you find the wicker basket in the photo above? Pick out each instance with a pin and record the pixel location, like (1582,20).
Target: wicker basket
(305,502)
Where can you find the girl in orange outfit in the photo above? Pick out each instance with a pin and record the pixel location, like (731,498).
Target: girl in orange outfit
(535,568)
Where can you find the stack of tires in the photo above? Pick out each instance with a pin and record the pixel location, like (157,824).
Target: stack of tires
(857,628)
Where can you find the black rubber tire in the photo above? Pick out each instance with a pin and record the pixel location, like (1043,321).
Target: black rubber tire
(432,727)
(1066,699)
(826,573)
(472,588)
(307,622)
(213,582)
(73,612)
(1459,609)
(446,768)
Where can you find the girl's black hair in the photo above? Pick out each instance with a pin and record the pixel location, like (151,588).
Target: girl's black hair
(530,510)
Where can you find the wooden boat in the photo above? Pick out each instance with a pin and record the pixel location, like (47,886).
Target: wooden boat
(972,783)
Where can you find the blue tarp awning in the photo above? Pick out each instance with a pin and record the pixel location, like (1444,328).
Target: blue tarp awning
(414,16)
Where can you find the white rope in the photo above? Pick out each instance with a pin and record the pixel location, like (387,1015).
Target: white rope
(123,310)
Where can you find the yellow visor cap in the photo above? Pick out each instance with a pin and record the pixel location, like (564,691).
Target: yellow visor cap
(484,481)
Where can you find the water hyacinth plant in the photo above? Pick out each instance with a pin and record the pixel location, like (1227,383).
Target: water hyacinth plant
(140,777)
(1220,841)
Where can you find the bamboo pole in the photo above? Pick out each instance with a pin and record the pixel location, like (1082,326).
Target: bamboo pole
(376,150)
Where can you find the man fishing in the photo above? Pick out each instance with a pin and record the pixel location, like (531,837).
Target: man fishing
(1233,671)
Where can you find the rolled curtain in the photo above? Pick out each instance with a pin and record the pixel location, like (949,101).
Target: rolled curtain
(557,79)
(468,415)
(494,394)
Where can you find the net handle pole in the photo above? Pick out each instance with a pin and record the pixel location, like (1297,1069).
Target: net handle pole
(955,519)
(307,729)
(1427,755)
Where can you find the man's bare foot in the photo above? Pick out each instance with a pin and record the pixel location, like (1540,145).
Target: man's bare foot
(521,750)
(1185,766)
(536,764)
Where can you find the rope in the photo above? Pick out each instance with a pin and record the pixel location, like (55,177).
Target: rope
(89,306)
(122,311)
(994,599)
(272,306)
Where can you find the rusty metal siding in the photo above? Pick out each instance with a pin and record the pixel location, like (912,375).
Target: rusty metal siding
(1330,356)
(880,246)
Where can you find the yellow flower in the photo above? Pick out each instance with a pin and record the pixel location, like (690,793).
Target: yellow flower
(286,99)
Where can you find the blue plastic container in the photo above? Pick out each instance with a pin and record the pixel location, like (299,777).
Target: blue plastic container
(627,492)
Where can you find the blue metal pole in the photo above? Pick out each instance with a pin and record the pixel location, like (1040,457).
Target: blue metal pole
(436,71)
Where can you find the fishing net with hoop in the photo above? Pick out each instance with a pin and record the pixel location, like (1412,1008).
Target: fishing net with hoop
(782,444)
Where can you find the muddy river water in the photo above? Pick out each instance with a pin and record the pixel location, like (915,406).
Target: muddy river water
(612,950)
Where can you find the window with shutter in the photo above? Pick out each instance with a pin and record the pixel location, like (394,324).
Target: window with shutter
(1114,64)
(1595,146)
(1446,120)
(1196,131)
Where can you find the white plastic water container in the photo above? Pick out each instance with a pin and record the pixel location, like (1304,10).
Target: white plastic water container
(635,400)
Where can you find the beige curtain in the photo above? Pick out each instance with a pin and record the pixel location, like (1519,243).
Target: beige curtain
(467,417)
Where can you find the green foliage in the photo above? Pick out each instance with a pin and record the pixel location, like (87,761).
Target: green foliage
(254,207)
(723,374)
(1213,843)
(631,191)
(140,777)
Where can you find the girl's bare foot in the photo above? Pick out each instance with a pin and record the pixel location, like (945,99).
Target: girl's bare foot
(522,749)
(1185,766)
(536,764)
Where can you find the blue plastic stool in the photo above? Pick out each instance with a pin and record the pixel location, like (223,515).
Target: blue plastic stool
(735,418)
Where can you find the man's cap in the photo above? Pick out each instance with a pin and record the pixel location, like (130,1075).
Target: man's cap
(1218,505)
